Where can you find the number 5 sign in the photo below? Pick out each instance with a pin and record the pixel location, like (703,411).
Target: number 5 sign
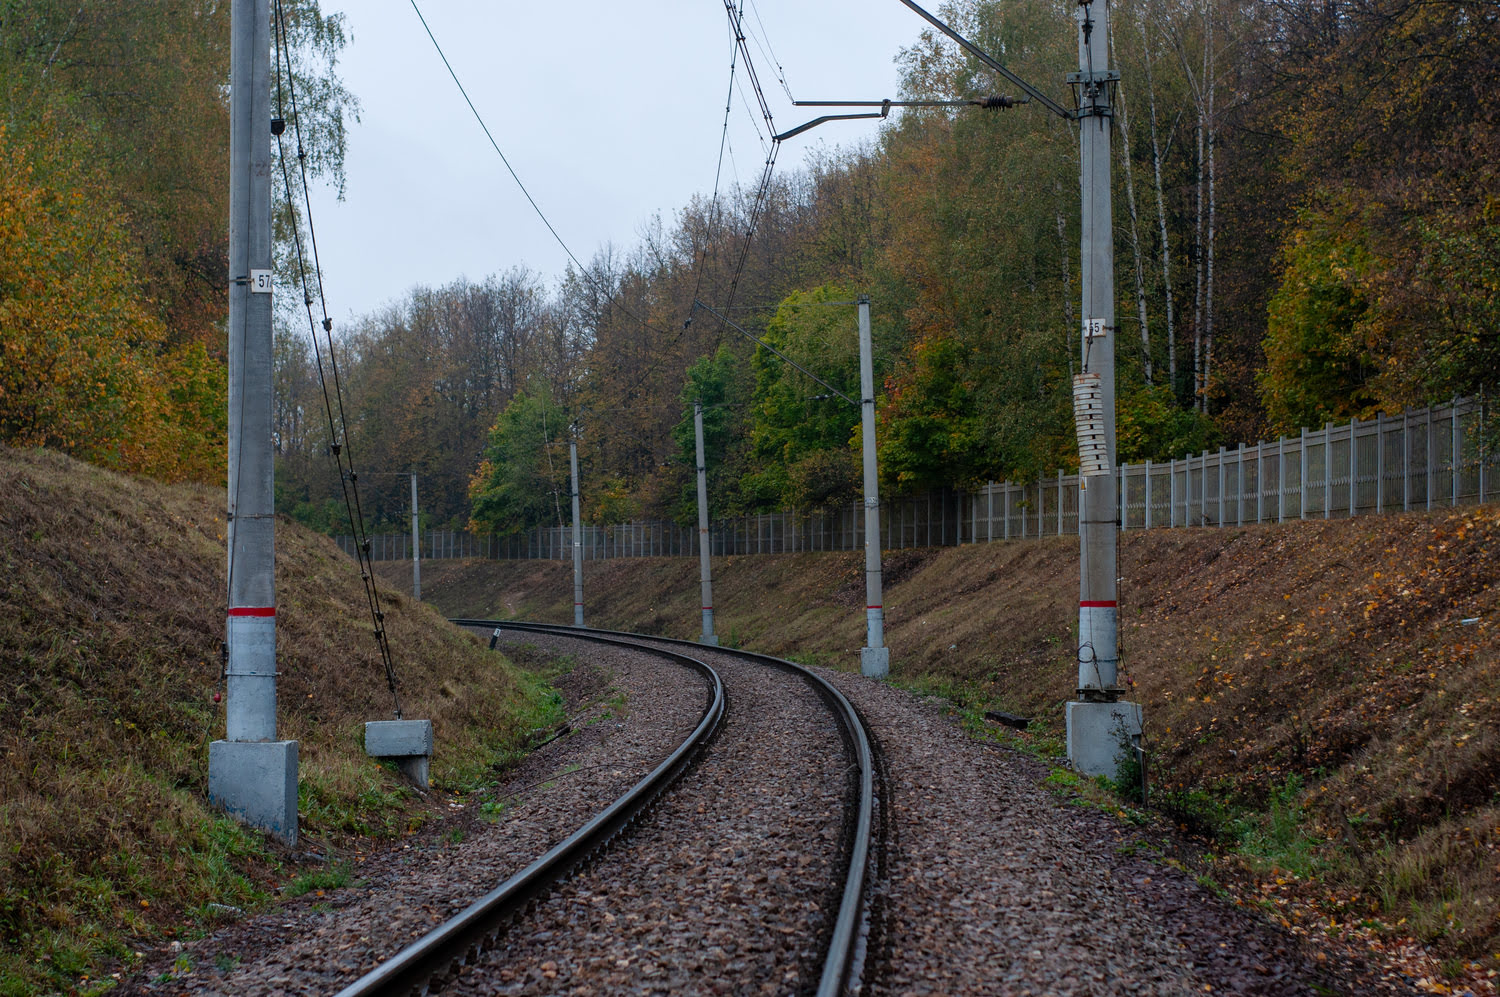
(260,282)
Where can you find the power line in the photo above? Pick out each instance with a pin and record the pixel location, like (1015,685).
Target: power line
(708,239)
(583,270)
(338,431)
(736,21)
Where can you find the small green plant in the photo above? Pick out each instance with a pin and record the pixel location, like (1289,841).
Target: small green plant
(1130,769)
(323,879)
(1281,838)
(492,809)
(226,963)
(1063,782)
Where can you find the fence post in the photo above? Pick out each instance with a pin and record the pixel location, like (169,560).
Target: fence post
(1353,468)
(1281,479)
(1453,464)
(1379,463)
(1239,486)
(1171,493)
(1302,483)
(1260,480)
(1430,448)
(1203,489)
(989,512)
(1482,456)
(1146,519)
(1221,486)
(1328,470)
(1405,462)
(1124,510)
(1187,481)
(1059,502)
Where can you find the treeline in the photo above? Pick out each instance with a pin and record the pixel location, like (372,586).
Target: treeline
(1306,230)
(114,189)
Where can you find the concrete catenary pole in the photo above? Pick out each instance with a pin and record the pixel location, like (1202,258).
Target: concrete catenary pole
(1097,722)
(416,545)
(577,539)
(875,658)
(705,572)
(251,774)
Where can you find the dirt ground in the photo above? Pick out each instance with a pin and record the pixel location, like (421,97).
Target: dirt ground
(1322,700)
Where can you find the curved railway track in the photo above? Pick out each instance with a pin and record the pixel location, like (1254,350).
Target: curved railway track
(454,954)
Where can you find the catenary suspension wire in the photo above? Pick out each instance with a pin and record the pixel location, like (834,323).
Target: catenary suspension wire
(736,18)
(583,270)
(770,51)
(611,296)
(762,196)
(338,431)
(713,219)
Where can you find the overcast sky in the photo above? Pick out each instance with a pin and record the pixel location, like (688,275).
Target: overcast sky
(609,112)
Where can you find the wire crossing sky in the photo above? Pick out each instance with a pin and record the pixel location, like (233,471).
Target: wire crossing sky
(609,113)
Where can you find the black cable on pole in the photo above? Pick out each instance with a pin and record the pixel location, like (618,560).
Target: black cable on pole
(992,62)
(338,431)
(713,220)
(736,22)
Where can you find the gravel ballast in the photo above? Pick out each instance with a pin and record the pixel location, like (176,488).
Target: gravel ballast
(323,941)
(985,882)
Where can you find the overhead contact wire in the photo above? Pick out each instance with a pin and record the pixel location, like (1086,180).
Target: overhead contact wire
(338,430)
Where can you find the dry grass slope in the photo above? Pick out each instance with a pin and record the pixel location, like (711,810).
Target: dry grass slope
(112,597)
(1322,698)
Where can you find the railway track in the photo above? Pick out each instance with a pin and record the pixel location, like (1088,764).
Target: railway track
(751,875)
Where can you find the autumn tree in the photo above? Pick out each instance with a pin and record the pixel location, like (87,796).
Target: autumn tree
(88,368)
(523,478)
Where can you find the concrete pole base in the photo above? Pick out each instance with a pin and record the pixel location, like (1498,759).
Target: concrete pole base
(408,743)
(712,640)
(1100,734)
(255,782)
(875,662)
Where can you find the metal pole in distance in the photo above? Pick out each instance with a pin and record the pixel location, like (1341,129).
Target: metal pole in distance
(251,775)
(875,658)
(1101,730)
(705,572)
(577,539)
(416,546)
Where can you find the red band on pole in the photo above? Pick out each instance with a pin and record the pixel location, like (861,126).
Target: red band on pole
(1098,604)
(874,607)
(253,611)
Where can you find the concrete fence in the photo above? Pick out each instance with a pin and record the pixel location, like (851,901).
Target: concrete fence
(1422,459)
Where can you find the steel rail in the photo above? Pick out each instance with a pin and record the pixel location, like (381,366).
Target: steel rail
(466,935)
(844,943)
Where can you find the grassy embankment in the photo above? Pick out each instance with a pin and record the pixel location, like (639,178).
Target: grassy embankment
(111,617)
(1322,699)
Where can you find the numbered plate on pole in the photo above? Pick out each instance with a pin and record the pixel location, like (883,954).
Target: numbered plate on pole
(1094,328)
(1089,418)
(260,282)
